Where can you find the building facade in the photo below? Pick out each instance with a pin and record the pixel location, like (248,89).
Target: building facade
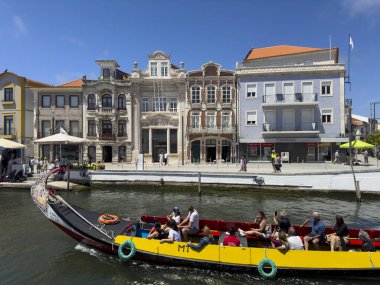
(107,115)
(16,109)
(158,93)
(57,107)
(291,100)
(211,104)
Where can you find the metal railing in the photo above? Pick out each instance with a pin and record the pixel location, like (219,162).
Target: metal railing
(8,132)
(305,127)
(290,98)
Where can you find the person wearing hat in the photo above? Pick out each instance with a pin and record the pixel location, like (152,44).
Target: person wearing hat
(175,215)
(190,225)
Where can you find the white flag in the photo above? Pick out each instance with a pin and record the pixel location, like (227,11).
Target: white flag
(62,131)
(351,43)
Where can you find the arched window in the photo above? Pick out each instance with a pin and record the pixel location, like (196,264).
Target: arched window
(91,103)
(107,101)
(121,103)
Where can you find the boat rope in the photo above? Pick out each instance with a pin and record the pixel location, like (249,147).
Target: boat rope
(83,218)
(370,259)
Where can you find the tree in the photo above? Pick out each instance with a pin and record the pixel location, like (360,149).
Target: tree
(373,138)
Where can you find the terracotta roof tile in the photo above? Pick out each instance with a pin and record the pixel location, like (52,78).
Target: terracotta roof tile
(257,53)
(74,83)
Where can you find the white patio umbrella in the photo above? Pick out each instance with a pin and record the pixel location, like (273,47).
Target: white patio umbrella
(4,143)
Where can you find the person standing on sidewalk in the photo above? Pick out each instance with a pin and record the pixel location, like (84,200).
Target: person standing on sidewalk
(365,157)
(273,157)
(243,164)
(337,159)
(161,158)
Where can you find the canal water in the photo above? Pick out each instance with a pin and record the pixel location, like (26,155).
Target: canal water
(34,251)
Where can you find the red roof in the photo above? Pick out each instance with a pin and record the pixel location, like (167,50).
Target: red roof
(74,83)
(257,53)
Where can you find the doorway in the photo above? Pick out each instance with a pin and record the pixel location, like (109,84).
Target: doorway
(159,143)
(107,153)
(226,151)
(195,151)
(211,150)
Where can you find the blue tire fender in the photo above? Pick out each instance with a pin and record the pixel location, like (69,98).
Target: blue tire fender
(131,253)
(273,268)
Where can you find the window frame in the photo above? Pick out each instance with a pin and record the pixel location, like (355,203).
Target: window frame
(122,98)
(226,95)
(331,88)
(91,96)
(121,125)
(93,127)
(108,99)
(43,101)
(213,94)
(56,101)
(173,104)
(104,73)
(210,115)
(226,115)
(71,98)
(144,104)
(196,115)
(331,110)
(246,118)
(195,94)
(164,69)
(71,124)
(248,96)
(153,68)
(6,94)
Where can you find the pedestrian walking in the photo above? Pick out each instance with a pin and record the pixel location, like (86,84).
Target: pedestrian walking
(243,164)
(273,157)
(161,158)
(277,163)
(336,156)
(365,157)
(166,158)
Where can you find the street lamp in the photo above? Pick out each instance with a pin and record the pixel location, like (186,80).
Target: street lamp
(182,136)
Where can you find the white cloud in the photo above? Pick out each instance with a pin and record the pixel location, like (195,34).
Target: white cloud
(73,41)
(367,8)
(19,26)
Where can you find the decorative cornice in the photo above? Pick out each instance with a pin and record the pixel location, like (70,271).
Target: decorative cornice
(290,69)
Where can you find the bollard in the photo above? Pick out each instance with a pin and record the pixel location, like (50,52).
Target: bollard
(357,188)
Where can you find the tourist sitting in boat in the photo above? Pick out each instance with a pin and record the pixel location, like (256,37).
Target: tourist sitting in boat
(317,233)
(367,243)
(288,242)
(339,238)
(156,232)
(262,231)
(205,240)
(173,233)
(282,223)
(190,225)
(231,239)
(176,215)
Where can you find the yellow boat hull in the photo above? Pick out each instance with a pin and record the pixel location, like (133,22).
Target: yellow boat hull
(251,257)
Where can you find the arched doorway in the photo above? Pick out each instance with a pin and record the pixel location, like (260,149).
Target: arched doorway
(196,151)
(107,153)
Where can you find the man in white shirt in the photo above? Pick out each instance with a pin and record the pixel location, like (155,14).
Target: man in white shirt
(190,225)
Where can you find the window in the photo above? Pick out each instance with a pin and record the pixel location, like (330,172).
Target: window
(226,94)
(251,91)
(159,104)
(173,105)
(107,127)
(60,101)
(107,101)
(326,88)
(327,117)
(45,128)
(211,94)
(74,101)
(252,118)
(122,153)
(46,101)
(173,141)
(121,128)
(91,103)
(59,124)
(8,125)
(307,88)
(91,128)
(91,153)
(195,120)
(195,95)
(226,120)
(210,120)
(164,69)
(106,73)
(121,103)
(153,69)
(74,128)
(8,94)
(46,152)
(144,104)
(269,89)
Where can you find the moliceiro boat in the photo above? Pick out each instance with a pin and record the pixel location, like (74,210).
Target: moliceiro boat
(127,239)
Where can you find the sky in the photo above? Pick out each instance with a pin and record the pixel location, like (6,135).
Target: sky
(58,41)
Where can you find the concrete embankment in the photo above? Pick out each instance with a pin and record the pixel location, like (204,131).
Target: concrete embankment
(368,181)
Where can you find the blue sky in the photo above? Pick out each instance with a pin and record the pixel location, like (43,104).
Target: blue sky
(59,41)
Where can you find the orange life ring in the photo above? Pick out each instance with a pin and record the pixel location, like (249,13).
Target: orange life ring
(108,219)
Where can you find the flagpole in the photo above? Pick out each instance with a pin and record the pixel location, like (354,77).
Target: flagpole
(349,61)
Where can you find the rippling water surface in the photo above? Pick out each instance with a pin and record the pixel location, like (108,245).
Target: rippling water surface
(34,251)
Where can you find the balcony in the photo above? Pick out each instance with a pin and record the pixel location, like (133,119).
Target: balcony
(8,133)
(290,99)
(301,130)
(107,137)
(211,130)
(105,110)
(8,102)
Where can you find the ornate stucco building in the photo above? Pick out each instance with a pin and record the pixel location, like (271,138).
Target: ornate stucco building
(211,112)
(158,92)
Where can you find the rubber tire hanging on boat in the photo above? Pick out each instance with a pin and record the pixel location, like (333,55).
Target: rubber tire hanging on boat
(272,273)
(131,252)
